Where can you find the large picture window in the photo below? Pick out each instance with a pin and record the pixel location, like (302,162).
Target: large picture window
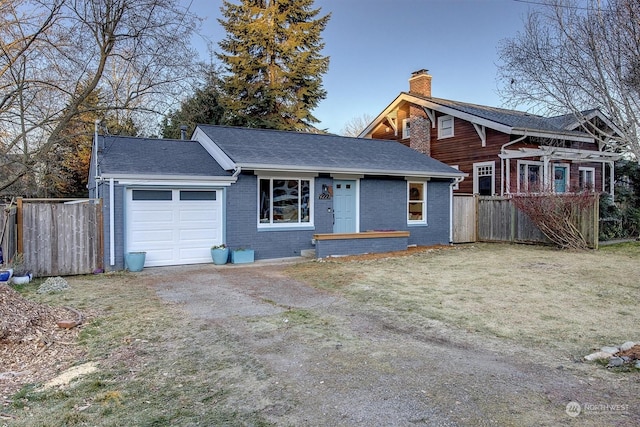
(417,203)
(284,202)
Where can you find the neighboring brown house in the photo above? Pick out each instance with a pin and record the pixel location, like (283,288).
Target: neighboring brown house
(502,151)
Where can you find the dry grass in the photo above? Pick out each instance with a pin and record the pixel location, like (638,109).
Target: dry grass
(536,296)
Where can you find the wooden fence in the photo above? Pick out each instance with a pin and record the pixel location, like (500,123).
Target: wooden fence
(464,219)
(58,237)
(496,219)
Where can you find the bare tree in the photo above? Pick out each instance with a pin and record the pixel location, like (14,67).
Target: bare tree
(55,53)
(356,125)
(573,56)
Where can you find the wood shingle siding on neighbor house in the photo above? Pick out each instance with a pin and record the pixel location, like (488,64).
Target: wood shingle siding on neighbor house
(493,138)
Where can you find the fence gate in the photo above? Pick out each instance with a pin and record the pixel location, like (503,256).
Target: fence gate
(464,218)
(60,239)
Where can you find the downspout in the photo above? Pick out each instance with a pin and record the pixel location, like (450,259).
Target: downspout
(502,162)
(95,147)
(455,181)
(112,249)
(236,172)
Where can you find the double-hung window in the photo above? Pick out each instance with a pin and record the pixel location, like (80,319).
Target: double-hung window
(529,177)
(587,180)
(416,203)
(406,128)
(284,202)
(445,127)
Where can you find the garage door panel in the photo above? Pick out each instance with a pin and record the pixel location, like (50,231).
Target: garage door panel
(175,231)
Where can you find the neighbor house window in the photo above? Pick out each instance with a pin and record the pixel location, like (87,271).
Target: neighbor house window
(445,127)
(284,202)
(484,178)
(529,177)
(417,203)
(406,128)
(587,180)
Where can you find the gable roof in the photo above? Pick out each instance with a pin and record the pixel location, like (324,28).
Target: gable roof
(126,156)
(274,150)
(501,119)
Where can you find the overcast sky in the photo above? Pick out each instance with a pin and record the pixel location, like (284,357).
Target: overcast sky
(374,45)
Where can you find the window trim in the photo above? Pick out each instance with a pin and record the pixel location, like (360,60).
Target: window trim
(285,225)
(441,119)
(581,171)
(406,128)
(478,165)
(422,221)
(529,163)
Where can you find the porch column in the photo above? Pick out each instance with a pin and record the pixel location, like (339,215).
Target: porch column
(507,172)
(612,179)
(546,176)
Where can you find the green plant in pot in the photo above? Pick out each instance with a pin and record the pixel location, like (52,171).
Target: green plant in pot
(220,254)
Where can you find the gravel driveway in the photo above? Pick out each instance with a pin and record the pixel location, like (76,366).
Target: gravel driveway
(330,362)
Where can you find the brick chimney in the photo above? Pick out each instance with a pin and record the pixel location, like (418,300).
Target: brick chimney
(420,83)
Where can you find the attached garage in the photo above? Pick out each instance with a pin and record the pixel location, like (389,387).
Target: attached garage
(174,226)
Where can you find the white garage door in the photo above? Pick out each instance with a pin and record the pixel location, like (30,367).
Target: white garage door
(173,227)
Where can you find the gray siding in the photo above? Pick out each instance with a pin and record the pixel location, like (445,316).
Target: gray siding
(242,228)
(119,196)
(383,206)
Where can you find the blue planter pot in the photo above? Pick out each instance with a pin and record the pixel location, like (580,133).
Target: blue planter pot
(242,256)
(134,261)
(220,256)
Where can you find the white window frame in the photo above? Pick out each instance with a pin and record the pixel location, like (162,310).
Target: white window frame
(583,170)
(422,221)
(406,128)
(567,168)
(523,187)
(441,128)
(271,225)
(476,175)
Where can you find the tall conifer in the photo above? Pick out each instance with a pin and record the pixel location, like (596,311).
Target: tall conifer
(273,63)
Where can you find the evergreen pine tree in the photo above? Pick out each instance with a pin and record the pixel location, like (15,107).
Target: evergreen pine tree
(203,107)
(272,56)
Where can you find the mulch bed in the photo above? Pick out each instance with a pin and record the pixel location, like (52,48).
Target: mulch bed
(33,348)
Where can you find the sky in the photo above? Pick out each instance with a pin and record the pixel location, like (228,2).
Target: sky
(375,45)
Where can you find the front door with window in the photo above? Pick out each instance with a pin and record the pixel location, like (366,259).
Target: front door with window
(344,206)
(560,178)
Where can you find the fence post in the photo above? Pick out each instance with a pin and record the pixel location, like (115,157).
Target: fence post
(19,226)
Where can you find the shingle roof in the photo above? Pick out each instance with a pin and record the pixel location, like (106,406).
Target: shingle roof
(319,152)
(512,118)
(146,156)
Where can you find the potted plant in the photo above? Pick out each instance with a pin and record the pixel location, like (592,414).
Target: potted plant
(134,261)
(219,254)
(242,256)
(21,274)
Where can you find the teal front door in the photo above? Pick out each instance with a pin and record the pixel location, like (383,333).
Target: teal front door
(344,206)
(560,178)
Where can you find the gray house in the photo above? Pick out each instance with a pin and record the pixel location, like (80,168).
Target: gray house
(276,192)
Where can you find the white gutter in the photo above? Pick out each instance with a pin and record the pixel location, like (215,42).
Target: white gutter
(112,248)
(315,169)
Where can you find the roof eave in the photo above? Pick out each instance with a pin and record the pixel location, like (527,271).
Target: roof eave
(159,177)
(320,169)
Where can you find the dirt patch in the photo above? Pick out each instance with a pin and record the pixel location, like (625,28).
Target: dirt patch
(32,346)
